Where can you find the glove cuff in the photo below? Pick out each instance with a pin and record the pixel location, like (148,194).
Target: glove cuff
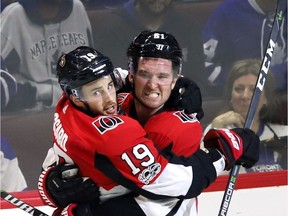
(67,211)
(42,190)
(219,160)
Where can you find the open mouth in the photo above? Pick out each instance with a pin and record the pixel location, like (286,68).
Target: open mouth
(111,109)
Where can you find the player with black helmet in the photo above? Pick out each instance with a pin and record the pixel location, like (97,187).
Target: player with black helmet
(155,44)
(80,68)
(184,94)
(92,142)
(155,62)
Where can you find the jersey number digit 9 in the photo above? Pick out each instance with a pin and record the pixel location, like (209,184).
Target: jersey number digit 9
(140,152)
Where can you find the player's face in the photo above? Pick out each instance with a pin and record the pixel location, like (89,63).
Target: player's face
(154,6)
(100,95)
(242,92)
(153,81)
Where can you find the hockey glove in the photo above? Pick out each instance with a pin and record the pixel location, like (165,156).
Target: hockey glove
(240,146)
(61,185)
(74,210)
(186,95)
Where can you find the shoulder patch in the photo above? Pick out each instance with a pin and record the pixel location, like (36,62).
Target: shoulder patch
(106,123)
(185,118)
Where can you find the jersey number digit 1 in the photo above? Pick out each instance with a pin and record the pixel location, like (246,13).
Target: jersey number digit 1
(140,152)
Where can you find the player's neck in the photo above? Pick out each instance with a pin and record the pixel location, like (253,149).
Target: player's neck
(143,112)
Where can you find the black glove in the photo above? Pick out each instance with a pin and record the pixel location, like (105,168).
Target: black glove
(64,186)
(25,97)
(127,87)
(240,146)
(186,96)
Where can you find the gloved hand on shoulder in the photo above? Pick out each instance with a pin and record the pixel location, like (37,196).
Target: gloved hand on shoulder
(186,95)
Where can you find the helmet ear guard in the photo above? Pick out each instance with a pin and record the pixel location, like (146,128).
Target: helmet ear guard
(117,79)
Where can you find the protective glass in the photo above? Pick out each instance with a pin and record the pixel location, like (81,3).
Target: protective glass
(96,91)
(155,70)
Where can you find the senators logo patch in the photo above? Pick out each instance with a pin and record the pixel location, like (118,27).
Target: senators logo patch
(185,118)
(105,123)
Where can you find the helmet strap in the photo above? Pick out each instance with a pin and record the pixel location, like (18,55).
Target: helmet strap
(86,109)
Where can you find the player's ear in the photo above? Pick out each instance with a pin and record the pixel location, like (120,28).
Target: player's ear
(76,101)
(131,78)
(174,83)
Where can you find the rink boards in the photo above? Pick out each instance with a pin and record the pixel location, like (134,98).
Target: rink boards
(257,194)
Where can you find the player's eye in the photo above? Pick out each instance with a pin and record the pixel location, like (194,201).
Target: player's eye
(163,76)
(96,93)
(144,74)
(111,86)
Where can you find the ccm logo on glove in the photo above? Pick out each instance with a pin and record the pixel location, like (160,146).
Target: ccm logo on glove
(233,138)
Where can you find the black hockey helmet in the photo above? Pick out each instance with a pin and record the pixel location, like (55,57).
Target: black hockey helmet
(155,44)
(82,66)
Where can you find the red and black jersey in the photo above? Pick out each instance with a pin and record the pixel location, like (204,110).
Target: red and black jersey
(116,154)
(182,131)
(176,133)
(121,139)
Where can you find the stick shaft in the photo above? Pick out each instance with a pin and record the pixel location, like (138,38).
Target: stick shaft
(281,6)
(22,205)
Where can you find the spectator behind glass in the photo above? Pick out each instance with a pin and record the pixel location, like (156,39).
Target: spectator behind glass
(228,38)
(114,34)
(102,3)
(34,33)
(11,177)
(239,90)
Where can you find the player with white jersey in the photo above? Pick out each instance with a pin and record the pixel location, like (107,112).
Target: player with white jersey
(113,150)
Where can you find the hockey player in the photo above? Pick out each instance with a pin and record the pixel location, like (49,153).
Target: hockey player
(168,64)
(88,82)
(153,73)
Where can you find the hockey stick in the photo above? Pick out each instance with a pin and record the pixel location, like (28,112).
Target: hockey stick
(22,205)
(279,15)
